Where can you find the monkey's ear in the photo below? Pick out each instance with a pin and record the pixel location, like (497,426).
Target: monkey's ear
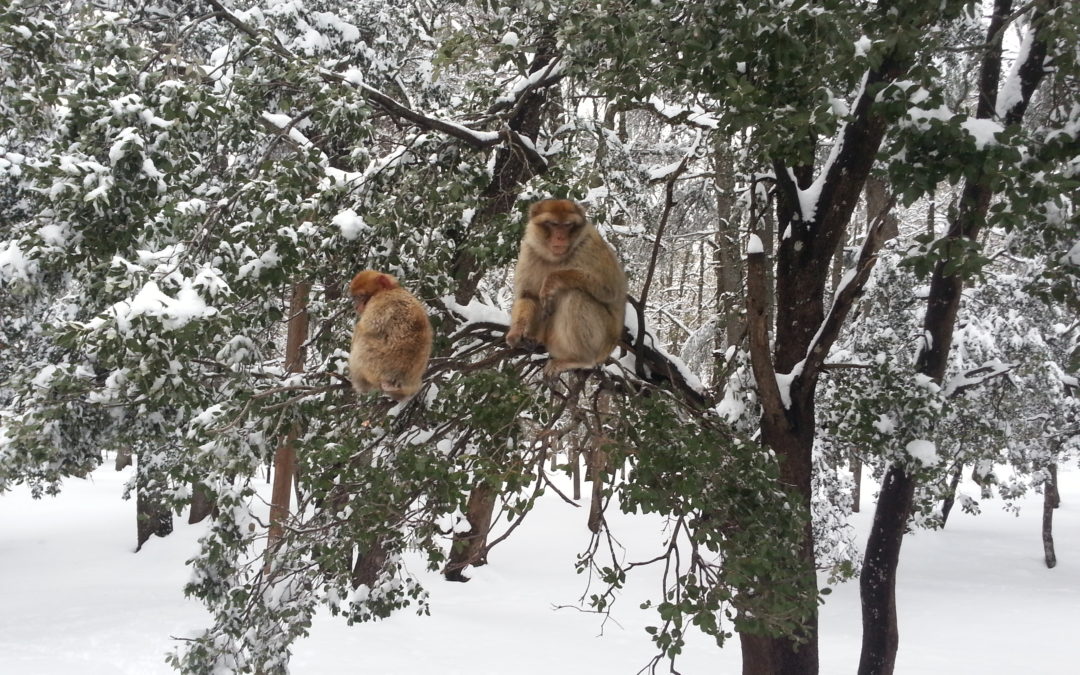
(535,208)
(579,209)
(385,281)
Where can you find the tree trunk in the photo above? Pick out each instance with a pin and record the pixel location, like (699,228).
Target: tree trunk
(1056,494)
(202,503)
(878,579)
(727,256)
(878,591)
(1050,502)
(152,515)
(470,548)
(789,431)
(598,464)
(575,470)
(856,485)
(950,496)
(598,460)
(511,169)
(368,565)
(285,456)
(804,335)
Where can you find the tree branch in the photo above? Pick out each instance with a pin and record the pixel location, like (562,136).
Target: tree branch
(757,318)
(845,296)
(478,140)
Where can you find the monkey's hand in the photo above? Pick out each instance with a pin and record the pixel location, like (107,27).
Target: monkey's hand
(549,291)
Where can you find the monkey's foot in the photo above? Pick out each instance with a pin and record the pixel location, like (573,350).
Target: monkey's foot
(514,336)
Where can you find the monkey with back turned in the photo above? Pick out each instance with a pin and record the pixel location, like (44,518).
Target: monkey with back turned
(391,341)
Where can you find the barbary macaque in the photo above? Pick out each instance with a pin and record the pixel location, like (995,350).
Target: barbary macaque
(569,288)
(391,342)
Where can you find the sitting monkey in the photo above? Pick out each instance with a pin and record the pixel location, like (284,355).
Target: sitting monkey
(569,288)
(391,342)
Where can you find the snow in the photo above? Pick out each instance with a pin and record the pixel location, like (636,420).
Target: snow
(784,380)
(662,172)
(925,452)
(990,369)
(126,137)
(477,312)
(151,301)
(694,115)
(352,225)
(983,131)
(348,32)
(885,424)
(13,262)
(754,245)
(78,599)
(285,122)
(862,46)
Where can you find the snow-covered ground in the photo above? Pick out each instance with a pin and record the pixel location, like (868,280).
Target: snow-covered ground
(75,598)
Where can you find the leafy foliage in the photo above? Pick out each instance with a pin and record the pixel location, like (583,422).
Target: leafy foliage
(169,178)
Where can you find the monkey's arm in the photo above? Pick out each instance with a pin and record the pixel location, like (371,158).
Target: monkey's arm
(593,270)
(522,318)
(602,284)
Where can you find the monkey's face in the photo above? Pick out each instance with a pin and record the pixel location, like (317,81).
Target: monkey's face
(359,302)
(560,222)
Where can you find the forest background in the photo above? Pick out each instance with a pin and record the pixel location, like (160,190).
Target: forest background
(850,231)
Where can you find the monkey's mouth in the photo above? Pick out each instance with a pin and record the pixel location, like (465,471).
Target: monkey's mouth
(359,302)
(560,249)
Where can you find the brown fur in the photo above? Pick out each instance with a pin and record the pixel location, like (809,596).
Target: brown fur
(392,339)
(569,288)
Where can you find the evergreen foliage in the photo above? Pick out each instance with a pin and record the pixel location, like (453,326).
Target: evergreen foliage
(170,172)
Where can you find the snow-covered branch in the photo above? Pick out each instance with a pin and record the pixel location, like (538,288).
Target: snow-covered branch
(476,139)
(976,377)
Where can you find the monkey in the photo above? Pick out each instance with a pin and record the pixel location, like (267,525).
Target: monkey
(391,341)
(569,288)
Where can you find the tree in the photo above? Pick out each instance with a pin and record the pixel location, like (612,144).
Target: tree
(171,174)
(755,61)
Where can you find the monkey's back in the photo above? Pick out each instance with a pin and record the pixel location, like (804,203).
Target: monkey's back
(392,339)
